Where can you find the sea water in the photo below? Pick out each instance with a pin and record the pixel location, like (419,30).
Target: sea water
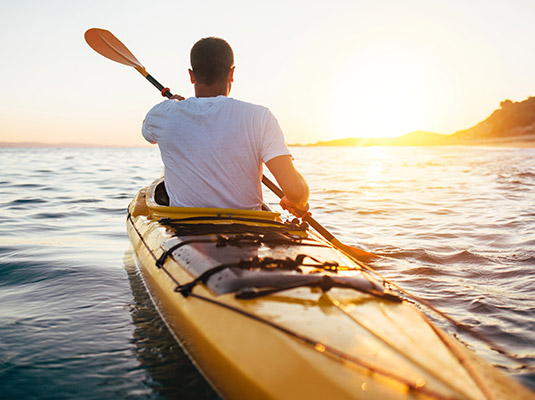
(456,226)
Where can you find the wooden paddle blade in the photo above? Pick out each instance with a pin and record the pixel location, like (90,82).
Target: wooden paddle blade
(106,44)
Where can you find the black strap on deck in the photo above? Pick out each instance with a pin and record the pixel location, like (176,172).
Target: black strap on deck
(192,226)
(287,264)
(240,240)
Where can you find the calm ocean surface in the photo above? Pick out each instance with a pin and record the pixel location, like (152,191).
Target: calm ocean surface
(458,225)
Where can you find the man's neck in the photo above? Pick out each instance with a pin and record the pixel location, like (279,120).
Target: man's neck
(202,90)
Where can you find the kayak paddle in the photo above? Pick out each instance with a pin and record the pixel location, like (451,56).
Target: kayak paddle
(106,44)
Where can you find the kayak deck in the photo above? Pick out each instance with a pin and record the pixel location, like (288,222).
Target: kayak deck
(266,309)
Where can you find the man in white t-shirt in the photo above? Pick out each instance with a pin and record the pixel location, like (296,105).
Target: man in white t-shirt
(213,146)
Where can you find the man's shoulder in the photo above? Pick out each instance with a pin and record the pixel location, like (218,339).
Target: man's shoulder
(162,106)
(248,106)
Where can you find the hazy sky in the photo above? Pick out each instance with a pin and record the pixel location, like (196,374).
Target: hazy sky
(327,69)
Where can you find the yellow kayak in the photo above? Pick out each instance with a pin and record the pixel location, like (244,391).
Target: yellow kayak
(269,310)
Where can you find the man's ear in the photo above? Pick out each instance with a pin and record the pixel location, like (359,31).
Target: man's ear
(231,74)
(191,77)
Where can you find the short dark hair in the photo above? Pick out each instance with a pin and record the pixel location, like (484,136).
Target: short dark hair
(211,60)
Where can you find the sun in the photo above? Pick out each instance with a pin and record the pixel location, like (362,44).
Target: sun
(379,92)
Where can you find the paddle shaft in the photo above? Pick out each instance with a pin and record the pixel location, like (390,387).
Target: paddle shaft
(163,90)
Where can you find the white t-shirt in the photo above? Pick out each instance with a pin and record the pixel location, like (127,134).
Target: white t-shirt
(213,149)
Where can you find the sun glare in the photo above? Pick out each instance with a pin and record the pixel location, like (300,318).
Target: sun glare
(377,94)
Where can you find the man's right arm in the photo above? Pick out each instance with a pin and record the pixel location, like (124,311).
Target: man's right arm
(292,183)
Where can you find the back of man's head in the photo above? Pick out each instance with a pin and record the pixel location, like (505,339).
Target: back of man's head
(211,60)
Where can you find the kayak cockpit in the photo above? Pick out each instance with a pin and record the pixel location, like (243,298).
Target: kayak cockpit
(154,201)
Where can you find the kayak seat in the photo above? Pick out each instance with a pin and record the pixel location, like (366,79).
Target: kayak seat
(160,195)
(162,198)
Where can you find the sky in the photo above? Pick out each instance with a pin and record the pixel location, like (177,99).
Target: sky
(326,69)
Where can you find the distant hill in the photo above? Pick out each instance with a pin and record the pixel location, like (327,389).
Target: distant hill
(512,119)
(416,138)
(512,122)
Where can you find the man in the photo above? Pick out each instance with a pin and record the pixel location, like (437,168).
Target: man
(213,146)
